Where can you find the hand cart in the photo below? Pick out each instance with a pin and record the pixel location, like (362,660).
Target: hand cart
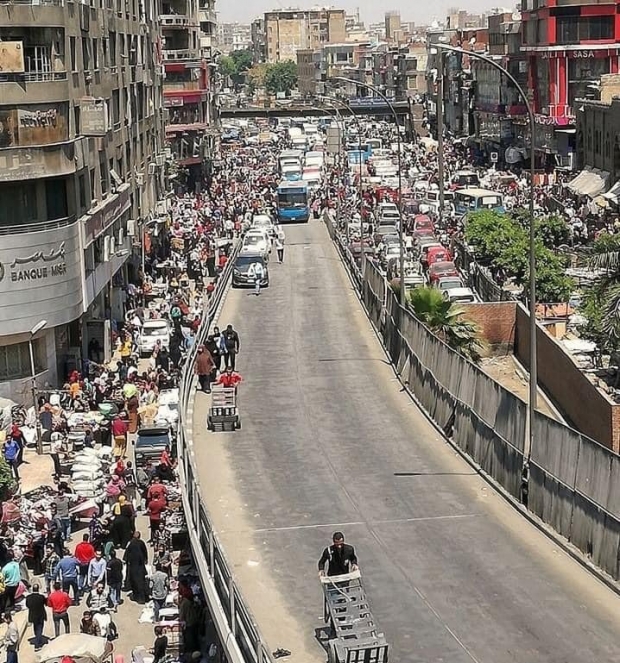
(223,413)
(354,636)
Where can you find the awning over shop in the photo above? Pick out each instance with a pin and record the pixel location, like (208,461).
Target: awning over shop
(614,193)
(589,182)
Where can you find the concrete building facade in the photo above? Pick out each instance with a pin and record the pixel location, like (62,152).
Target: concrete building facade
(81,169)
(188,32)
(289,30)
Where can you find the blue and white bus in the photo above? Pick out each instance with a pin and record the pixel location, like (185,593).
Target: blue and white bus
(473,200)
(293,202)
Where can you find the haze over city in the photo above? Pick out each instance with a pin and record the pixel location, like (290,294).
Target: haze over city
(370,12)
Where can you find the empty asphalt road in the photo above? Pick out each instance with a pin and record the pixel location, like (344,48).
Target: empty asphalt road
(330,442)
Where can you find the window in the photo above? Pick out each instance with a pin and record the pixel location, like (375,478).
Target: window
(116,109)
(103,170)
(113,49)
(72,51)
(15,359)
(85,53)
(542,79)
(583,73)
(56,198)
(76,117)
(83,191)
(37,62)
(96,53)
(574,29)
(18,203)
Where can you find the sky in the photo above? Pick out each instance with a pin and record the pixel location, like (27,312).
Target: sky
(371,11)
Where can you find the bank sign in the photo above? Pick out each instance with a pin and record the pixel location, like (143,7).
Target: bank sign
(36,267)
(40,279)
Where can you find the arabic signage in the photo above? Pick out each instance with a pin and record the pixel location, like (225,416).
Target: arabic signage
(40,279)
(106,215)
(36,124)
(93,117)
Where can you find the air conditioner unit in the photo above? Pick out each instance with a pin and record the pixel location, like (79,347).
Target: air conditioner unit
(160,159)
(106,248)
(131,228)
(121,237)
(139,179)
(152,168)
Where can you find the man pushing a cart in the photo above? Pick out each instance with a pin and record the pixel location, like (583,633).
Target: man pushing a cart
(340,557)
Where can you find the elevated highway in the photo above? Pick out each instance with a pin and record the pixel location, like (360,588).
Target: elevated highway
(330,442)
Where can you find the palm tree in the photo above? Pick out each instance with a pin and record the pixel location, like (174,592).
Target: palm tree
(447,321)
(604,256)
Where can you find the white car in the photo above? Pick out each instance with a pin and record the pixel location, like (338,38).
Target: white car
(151,332)
(264,222)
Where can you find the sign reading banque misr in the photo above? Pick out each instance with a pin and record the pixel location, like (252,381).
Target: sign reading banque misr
(38,266)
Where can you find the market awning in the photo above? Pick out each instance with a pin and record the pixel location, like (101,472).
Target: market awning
(589,182)
(614,193)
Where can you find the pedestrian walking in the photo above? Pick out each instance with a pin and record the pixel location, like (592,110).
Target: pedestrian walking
(56,446)
(11,639)
(84,553)
(11,455)
(59,602)
(159,584)
(114,576)
(67,571)
(136,558)
(37,615)
(97,570)
(279,244)
(11,574)
(204,366)
(231,342)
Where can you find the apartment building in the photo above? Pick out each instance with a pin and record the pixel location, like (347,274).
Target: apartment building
(289,30)
(81,169)
(188,28)
(259,44)
(569,45)
(233,37)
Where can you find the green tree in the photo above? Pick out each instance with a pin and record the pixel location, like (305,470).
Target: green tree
(227,66)
(446,320)
(281,77)
(7,482)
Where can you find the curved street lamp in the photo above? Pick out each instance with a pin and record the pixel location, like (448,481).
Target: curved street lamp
(400,179)
(533,387)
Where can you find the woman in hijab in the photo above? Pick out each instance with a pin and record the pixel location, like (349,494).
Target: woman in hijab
(123,525)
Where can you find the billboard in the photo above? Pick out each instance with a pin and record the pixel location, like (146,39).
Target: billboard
(35,124)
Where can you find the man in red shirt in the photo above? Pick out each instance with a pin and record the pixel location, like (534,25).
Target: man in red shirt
(156,490)
(59,602)
(155,509)
(229,378)
(84,552)
(222,260)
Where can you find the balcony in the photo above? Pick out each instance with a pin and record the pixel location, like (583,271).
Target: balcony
(185,86)
(207,16)
(29,163)
(37,226)
(168,21)
(179,54)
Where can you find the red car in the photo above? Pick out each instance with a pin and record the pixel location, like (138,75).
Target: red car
(437,254)
(423,222)
(440,269)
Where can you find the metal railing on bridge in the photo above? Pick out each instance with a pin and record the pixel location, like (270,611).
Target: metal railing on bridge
(234,622)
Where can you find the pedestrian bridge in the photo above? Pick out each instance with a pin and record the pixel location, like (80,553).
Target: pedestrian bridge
(376,108)
(331,442)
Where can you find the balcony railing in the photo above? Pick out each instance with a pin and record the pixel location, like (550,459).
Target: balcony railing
(170,54)
(174,21)
(207,16)
(34,3)
(33,77)
(37,226)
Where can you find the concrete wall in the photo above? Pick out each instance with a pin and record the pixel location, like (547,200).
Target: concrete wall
(585,407)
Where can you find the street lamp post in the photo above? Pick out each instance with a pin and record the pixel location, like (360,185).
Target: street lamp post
(533,389)
(400,177)
(33,374)
(360,183)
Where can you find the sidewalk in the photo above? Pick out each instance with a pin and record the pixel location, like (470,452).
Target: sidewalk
(37,471)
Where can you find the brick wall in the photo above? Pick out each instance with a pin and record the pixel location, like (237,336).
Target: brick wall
(585,407)
(496,321)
